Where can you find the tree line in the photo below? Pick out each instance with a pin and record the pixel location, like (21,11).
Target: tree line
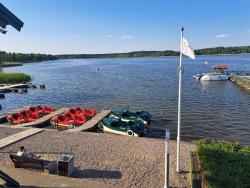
(22,57)
(223,50)
(205,51)
(31,57)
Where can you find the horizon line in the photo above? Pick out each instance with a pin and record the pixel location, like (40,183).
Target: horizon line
(124,52)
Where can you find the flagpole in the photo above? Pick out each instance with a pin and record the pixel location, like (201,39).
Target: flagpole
(180,70)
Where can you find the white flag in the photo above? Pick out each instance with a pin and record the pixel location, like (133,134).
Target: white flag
(186,50)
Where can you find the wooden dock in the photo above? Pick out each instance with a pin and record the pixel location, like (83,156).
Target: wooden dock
(18,136)
(91,124)
(41,121)
(2,88)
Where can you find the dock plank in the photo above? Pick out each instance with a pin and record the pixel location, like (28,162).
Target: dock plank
(41,121)
(91,123)
(12,86)
(18,136)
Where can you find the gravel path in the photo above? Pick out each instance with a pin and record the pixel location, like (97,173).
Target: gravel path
(7,131)
(115,160)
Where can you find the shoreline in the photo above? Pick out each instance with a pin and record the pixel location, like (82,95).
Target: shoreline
(13,64)
(238,54)
(110,159)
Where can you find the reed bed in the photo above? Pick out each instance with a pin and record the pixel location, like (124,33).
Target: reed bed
(13,78)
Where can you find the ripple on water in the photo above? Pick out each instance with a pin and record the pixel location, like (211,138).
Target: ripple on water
(217,110)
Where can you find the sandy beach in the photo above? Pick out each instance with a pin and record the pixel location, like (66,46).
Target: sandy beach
(114,160)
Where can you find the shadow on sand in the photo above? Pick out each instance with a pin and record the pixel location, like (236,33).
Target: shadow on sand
(93,173)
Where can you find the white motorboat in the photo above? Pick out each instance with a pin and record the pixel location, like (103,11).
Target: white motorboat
(213,77)
(197,76)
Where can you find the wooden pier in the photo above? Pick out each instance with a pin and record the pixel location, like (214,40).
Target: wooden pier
(41,121)
(18,136)
(7,87)
(91,124)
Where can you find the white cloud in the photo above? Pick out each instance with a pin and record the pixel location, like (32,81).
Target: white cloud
(109,36)
(222,36)
(127,36)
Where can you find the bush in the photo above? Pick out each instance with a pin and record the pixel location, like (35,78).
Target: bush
(12,78)
(224,164)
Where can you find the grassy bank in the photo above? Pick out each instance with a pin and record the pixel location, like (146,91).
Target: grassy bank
(10,64)
(224,164)
(241,81)
(12,78)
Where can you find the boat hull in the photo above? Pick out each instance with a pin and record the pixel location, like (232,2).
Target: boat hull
(109,130)
(115,126)
(197,76)
(219,77)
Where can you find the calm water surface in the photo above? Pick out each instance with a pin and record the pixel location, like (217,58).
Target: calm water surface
(210,109)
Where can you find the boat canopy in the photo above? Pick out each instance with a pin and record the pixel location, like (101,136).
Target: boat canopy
(224,66)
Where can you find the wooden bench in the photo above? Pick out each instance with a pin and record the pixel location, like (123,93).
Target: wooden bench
(195,176)
(43,165)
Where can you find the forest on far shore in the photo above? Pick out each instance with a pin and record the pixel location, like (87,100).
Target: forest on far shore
(205,51)
(31,57)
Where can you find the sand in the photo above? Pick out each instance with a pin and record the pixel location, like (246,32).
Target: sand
(115,160)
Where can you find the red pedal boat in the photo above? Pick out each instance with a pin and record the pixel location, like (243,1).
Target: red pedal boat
(72,118)
(30,114)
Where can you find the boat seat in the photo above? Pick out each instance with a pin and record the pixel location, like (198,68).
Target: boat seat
(114,124)
(126,114)
(130,123)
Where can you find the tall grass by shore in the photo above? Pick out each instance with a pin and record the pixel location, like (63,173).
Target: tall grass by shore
(224,164)
(13,78)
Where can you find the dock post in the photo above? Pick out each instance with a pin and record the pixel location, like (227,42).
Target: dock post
(167,137)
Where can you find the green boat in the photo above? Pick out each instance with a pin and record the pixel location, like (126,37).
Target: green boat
(126,116)
(116,126)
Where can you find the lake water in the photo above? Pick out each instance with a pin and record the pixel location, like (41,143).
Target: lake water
(216,109)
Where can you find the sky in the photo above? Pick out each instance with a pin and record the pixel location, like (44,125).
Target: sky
(108,26)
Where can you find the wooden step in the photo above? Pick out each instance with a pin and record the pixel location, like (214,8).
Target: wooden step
(18,136)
